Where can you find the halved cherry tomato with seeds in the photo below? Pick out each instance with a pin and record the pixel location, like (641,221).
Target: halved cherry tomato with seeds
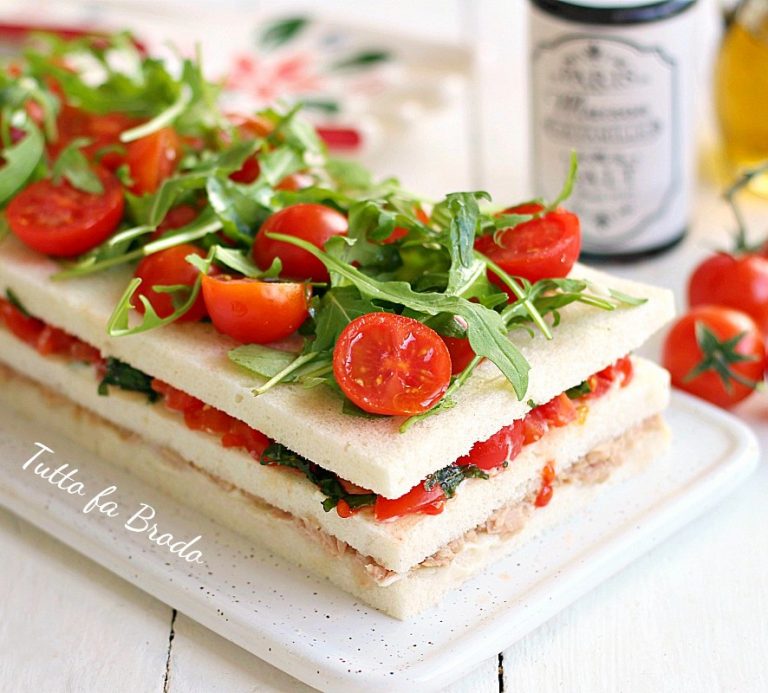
(60,220)
(253,311)
(169,268)
(390,364)
(545,247)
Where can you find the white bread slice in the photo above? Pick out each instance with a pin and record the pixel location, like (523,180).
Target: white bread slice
(396,545)
(371,453)
(279,532)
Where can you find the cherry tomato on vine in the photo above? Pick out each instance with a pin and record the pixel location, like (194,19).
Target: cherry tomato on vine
(715,353)
(739,282)
(545,247)
(311,222)
(253,311)
(169,268)
(63,221)
(390,364)
(152,159)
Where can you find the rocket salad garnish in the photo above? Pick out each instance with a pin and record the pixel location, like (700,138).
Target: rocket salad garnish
(280,236)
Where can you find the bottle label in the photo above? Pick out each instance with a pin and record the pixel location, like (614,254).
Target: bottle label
(613,96)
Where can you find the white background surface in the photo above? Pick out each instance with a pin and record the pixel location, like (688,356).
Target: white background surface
(691,616)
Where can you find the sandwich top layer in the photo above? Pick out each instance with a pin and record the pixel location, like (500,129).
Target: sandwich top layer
(370,452)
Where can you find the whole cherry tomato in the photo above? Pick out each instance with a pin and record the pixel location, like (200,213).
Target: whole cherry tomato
(545,247)
(736,281)
(715,353)
(253,311)
(152,159)
(311,222)
(63,221)
(169,268)
(390,364)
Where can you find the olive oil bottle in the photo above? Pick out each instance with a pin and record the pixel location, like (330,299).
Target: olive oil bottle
(741,90)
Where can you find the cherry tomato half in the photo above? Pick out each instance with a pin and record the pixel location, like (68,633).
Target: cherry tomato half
(61,220)
(103,130)
(501,447)
(417,500)
(252,311)
(169,268)
(390,364)
(313,223)
(152,159)
(739,282)
(541,248)
(682,354)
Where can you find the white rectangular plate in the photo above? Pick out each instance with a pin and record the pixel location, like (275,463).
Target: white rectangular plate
(321,635)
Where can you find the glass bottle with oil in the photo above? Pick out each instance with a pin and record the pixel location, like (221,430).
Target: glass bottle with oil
(741,89)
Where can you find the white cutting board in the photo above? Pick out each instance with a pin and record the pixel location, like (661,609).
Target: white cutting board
(321,635)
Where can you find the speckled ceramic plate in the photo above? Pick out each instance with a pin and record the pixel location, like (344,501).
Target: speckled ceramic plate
(323,636)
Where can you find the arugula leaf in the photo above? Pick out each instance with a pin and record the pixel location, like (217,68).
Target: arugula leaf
(486,330)
(326,481)
(449,478)
(5,229)
(262,360)
(335,310)
(162,119)
(626,298)
(13,299)
(119,322)
(240,214)
(278,163)
(579,391)
(126,377)
(20,160)
(115,250)
(239,261)
(465,215)
(570,181)
(73,165)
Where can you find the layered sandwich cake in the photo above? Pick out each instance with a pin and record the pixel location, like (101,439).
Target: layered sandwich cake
(390,392)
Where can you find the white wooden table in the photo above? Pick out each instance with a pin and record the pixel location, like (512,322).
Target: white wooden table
(690,616)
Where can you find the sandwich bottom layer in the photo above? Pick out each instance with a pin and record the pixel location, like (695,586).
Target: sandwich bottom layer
(401,595)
